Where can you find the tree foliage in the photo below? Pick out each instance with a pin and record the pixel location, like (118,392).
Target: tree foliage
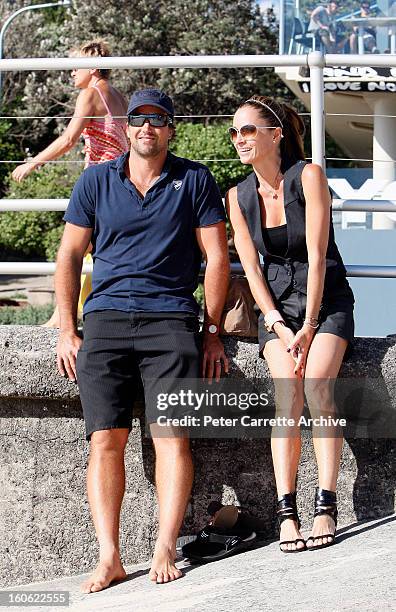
(146,28)
(195,141)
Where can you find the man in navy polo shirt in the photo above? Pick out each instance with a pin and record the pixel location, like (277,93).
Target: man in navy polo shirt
(150,217)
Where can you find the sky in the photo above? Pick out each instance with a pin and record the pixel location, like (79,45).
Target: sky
(264,4)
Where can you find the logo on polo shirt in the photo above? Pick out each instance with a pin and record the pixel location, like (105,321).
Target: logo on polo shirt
(177,184)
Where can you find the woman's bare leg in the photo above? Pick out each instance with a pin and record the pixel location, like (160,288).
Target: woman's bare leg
(285,441)
(323,364)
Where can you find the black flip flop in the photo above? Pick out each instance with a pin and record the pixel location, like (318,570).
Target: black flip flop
(213,544)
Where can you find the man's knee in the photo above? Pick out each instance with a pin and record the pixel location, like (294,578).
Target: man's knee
(176,443)
(107,440)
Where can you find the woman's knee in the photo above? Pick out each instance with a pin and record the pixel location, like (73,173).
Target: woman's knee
(320,394)
(289,398)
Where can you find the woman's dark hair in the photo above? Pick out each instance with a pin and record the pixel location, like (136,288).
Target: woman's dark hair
(97,48)
(281,115)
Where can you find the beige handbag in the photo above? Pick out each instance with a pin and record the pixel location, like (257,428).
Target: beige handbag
(239,317)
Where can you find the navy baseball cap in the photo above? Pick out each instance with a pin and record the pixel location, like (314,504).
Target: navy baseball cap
(153,97)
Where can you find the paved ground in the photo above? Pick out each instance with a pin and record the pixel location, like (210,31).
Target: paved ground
(14,284)
(356,574)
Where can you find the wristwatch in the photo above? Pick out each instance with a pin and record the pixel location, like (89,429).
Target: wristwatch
(213,329)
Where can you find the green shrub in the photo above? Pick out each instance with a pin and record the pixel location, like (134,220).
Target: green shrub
(51,242)
(200,142)
(29,315)
(51,181)
(9,150)
(24,233)
(36,234)
(199,295)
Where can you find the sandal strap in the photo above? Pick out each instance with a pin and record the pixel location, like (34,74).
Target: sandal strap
(326,503)
(291,541)
(287,508)
(228,540)
(325,535)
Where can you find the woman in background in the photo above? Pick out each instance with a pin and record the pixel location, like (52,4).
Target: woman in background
(283,211)
(100,118)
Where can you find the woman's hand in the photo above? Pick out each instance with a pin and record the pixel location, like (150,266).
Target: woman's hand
(284,333)
(299,348)
(22,171)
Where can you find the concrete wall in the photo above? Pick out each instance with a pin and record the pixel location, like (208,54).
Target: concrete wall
(45,526)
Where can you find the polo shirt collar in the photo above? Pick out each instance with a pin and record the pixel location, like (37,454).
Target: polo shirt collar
(170,161)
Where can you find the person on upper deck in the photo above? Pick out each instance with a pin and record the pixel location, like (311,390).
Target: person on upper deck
(323,23)
(369,33)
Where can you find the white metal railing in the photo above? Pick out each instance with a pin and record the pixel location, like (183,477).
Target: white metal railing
(315,60)
(21,268)
(60,205)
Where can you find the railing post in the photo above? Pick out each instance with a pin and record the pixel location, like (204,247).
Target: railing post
(281,27)
(316,62)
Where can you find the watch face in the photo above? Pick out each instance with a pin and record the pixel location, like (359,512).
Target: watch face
(212,329)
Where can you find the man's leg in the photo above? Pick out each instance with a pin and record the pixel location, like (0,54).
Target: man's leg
(106,485)
(108,379)
(173,476)
(168,352)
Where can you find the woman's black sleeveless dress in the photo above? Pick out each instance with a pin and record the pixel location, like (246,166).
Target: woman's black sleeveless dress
(285,267)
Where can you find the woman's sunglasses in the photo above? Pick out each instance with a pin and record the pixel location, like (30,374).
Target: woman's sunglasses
(247,131)
(153,119)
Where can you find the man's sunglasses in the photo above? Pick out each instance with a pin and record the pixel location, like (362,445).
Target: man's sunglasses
(247,131)
(153,119)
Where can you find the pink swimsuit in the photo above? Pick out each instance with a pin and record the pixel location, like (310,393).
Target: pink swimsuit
(104,139)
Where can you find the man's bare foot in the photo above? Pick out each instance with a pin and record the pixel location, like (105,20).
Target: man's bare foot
(289,531)
(103,576)
(163,568)
(54,321)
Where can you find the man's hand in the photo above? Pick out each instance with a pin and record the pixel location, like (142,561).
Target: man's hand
(213,358)
(67,348)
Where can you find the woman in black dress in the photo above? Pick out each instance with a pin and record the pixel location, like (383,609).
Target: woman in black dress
(282,211)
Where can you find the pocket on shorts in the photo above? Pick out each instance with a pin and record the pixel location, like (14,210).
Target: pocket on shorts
(189,324)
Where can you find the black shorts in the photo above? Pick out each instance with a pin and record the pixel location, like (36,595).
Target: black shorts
(335,317)
(121,350)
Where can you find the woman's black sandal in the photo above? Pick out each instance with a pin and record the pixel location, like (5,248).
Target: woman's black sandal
(325,503)
(287,509)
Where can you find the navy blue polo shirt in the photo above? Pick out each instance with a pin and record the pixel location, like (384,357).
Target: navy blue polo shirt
(146,256)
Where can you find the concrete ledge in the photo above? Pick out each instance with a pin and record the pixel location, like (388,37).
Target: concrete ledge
(45,527)
(357,574)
